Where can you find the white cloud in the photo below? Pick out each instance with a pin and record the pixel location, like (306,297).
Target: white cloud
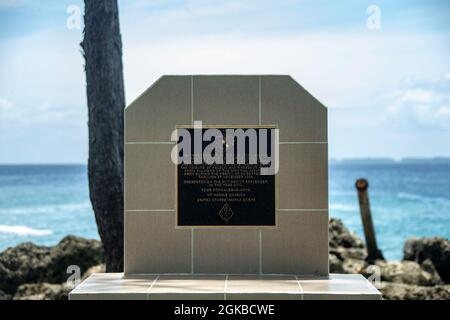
(42,77)
(422,103)
(5,105)
(340,69)
(44,83)
(416,96)
(11,3)
(200,10)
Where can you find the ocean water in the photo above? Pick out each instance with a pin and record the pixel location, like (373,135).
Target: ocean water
(43,204)
(407,200)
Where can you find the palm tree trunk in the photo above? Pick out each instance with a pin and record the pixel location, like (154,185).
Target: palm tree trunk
(102,49)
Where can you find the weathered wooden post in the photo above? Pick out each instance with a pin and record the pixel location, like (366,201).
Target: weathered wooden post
(373,253)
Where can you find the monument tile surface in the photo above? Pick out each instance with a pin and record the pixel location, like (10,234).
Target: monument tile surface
(301,189)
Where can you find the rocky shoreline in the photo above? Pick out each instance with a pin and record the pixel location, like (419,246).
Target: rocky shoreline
(32,272)
(422,274)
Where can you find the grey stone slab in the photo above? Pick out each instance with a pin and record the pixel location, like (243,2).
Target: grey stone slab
(298,246)
(149,177)
(188,287)
(113,286)
(154,114)
(339,287)
(303,176)
(116,286)
(226,251)
(262,287)
(153,245)
(300,116)
(226,100)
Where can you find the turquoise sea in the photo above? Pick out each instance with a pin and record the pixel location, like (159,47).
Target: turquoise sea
(43,203)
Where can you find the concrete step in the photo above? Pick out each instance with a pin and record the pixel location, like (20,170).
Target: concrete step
(116,286)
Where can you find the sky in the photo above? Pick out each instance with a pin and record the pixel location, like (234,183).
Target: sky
(384,75)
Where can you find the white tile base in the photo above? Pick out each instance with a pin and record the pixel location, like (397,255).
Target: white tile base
(114,286)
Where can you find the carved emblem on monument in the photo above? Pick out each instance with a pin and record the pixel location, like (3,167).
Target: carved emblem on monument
(226,213)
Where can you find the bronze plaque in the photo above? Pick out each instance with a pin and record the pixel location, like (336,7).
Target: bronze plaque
(226,194)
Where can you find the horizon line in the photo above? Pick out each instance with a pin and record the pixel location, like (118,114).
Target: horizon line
(344,159)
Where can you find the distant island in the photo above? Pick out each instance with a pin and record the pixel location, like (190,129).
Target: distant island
(435,160)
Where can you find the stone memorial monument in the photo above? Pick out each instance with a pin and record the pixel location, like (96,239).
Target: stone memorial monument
(207,220)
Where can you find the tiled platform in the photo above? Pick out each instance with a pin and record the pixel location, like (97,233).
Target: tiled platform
(114,286)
